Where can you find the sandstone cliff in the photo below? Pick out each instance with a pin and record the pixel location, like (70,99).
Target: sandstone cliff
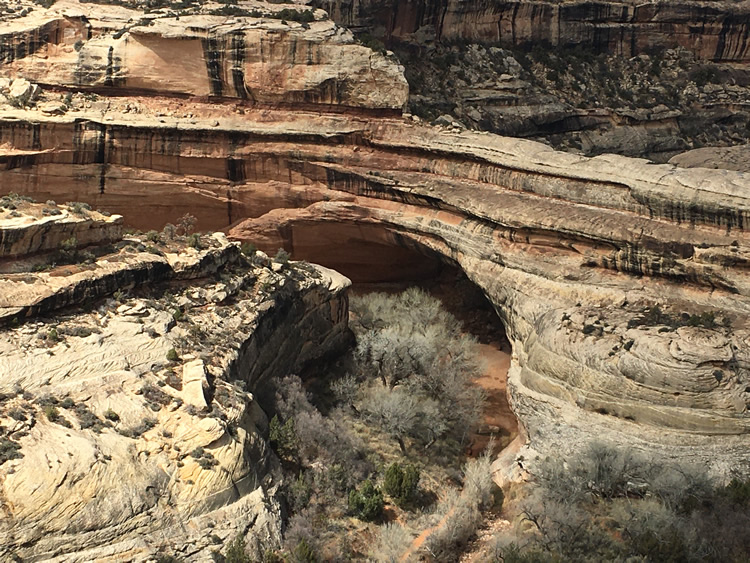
(712,30)
(259,59)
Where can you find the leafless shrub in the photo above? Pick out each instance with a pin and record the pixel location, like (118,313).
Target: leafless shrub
(392,542)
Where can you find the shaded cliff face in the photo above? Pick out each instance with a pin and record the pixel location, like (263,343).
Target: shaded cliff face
(712,30)
(653,105)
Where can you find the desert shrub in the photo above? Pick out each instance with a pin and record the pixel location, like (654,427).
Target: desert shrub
(88,419)
(51,412)
(9,449)
(303,552)
(306,436)
(194,241)
(366,502)
(346,390)
(290,14)
(299,493)
(172,355)
(248,249)
(303,530)
(456,521)
(392,542)
(111,415)
(77,207)
(737,492)
(169,231)
(154,395)
(17,414)
(282,256)
(705,75)
(186,224)
(153,236)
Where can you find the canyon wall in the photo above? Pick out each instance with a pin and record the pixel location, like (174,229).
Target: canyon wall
(712,30)
(574,252)
(623,284)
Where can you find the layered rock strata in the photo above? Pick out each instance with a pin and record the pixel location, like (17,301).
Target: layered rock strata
(38,228)
(712,30)
(260,59)
(128,428)
(572,251)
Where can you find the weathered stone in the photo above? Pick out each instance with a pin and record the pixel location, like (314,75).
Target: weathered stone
(193,382)
(21,91)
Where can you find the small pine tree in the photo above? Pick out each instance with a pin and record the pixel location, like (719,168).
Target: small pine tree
(394,475)
(401,484)
(409,484)
(236,551)
(367,502)
(283,437)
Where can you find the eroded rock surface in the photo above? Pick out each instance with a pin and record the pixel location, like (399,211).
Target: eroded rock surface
(259,59)
(131,429)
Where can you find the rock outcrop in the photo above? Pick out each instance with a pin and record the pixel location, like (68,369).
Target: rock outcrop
(28,228)
(712,30)
(126,422)
(259,59)
(724,158)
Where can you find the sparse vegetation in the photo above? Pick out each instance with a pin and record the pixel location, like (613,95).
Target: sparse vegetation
(186,224)
(614,505)
(654,316)
(111,415)
(9,449)
(282,256)
(349,443)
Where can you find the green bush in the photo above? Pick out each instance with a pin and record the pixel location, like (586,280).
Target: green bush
(111,415)
(9,450)
(282,256)
(401,484)
(303,553)
(236,551)
(172,355)
(366,503)
(283,437)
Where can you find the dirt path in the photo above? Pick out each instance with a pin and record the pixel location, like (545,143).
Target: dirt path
(497,420)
